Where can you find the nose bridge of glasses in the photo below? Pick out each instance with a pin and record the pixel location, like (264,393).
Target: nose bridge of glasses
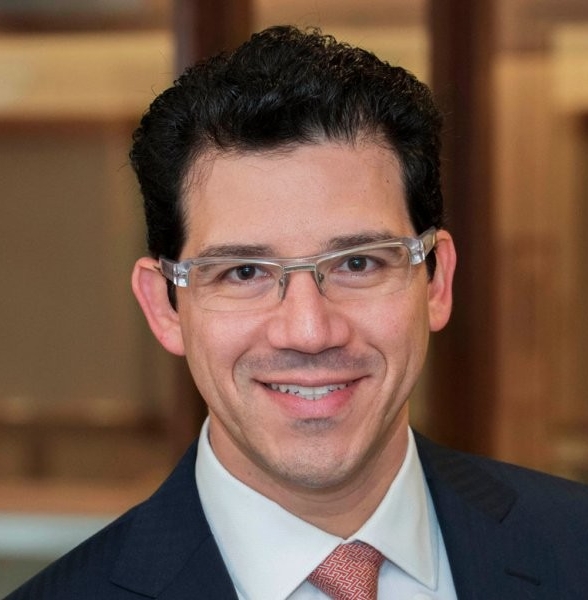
(299,267)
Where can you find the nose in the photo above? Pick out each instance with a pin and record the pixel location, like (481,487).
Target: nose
(305,320)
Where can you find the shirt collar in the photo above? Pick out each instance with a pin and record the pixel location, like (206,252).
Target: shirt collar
(269,557)
(403,527)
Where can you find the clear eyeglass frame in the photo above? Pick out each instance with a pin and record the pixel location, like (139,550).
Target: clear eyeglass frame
(277,271)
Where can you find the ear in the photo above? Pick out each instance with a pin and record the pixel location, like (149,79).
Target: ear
(440,286)
(150,289)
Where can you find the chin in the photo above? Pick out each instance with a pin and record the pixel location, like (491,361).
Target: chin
(307,472)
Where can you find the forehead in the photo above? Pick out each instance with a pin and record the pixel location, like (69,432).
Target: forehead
(295,200)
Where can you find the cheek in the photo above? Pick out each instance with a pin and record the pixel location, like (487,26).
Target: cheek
(398,329)
(214,343)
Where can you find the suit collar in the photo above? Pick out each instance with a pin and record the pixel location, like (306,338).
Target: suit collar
(169,550)
(472,484)
(494,548)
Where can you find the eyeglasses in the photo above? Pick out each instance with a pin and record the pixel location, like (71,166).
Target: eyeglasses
(251,283)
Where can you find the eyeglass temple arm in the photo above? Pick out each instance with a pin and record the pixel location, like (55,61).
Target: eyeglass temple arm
(169,269)
(426,242)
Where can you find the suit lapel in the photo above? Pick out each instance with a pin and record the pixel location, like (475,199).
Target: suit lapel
(494,551)
(169,551)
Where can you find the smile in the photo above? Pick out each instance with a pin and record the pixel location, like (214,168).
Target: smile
(307,393)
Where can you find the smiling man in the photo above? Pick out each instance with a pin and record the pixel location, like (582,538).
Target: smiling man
(305,377)
(299,261)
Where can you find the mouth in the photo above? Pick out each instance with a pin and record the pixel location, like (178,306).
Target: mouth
(305,392)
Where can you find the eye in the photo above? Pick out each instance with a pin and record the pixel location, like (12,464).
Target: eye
(358,264)
(245,272)
(363,270)
(248,273)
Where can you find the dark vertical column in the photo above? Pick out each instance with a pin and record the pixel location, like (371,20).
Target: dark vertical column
(463,382)
(202,28)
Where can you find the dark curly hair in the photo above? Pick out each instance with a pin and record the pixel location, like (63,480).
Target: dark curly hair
(284,86)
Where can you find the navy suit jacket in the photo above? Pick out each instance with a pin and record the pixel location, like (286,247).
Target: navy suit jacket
(510,533)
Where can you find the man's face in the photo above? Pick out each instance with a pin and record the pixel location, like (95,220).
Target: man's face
(360,359)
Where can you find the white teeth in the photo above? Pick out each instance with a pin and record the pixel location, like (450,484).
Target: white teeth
(308,393)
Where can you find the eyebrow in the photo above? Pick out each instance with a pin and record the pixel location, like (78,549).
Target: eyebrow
(224,250)
(340,242)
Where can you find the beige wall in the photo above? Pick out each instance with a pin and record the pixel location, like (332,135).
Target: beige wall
(73,343)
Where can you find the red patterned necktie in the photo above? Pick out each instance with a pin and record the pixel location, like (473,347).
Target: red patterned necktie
(350,572)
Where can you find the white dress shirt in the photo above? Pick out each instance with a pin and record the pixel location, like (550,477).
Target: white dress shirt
(269,552)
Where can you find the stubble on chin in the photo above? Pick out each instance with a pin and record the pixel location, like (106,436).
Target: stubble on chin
(313,462)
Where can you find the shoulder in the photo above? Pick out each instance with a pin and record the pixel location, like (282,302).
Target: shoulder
(82,572)
(508,526)
(468,474)
(142,550)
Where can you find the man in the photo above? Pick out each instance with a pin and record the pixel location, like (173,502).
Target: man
(299,262)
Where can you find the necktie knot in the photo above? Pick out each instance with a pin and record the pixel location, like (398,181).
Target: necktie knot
(350,572)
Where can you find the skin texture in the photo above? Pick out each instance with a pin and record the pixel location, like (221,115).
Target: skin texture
(330,460)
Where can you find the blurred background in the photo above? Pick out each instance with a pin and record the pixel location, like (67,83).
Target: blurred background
(93,413)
